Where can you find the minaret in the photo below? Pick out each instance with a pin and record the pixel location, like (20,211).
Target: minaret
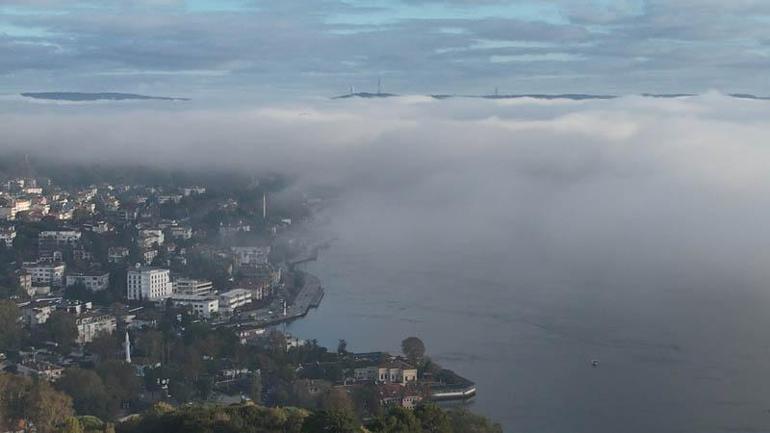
(264,206)
(127,345)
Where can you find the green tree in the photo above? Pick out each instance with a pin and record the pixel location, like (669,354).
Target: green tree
(62,330)
(414,349)
(432,419)
(330,422)
(72,425)
(465,421)
(89,395)
(10,326)
(398,420)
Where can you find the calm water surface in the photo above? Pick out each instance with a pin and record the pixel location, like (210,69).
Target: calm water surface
(673,358)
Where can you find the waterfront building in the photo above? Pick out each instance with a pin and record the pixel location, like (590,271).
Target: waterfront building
(230,300)
(93,324)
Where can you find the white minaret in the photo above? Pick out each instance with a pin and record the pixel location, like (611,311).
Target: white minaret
(264,206)
(127,345)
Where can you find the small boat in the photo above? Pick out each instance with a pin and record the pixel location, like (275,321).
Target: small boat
(594,363)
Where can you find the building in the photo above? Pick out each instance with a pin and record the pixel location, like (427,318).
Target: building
(250,256)
(191,286)
(93,281)
(259,288)
(148,284)
(7,235)
(394,395)
(117,254)
(230,300)
(387,371)
(148,238)
(201,305)
(25,282)
(181,232)
(45,273)
(37,313)
(56,240)
(93,324)
(40,369)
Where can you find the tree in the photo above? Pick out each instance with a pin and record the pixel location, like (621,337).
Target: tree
(330,422)
(255,388)
(105,346)
(336,399)
(120,381)
(10,327)
(342,347)
(62,330)
(89,395)
(72,425)
(398,420)
(414,349)
(464,421)
(433,419)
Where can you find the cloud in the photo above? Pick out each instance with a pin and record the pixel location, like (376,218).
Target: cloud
(628,189)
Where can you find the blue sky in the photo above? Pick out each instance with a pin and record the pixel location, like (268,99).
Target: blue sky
(322,47)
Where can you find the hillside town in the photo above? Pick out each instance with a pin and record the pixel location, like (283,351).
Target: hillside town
(122,295)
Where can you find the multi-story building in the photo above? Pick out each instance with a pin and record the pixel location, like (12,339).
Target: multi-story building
(202,305)
(230,300)
(56,240)
(148,284)
(36,313)
(191,286)
(45,273)
(93,324)
(94,281)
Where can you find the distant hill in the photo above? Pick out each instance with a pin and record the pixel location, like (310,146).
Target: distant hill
(365,95)
(570,96)
(102,96)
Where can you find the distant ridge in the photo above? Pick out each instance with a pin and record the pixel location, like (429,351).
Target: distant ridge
(365,95)
(103,96)
(569,96)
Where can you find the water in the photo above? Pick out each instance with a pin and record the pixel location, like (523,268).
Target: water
(674,358)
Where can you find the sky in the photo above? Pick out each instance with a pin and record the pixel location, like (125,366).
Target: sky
(280,50)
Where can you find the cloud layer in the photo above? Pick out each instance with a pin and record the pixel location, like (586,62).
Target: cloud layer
(202,48)
(633,188)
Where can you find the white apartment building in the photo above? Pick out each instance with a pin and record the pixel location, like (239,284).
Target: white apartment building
(230,300)
(91,325)
(149,284)
(93,281)
(202,306)
(191,286)
(45,273)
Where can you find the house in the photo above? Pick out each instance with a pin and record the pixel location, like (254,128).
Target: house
(149,238)
(394,395)
(180,232)
(392,370)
